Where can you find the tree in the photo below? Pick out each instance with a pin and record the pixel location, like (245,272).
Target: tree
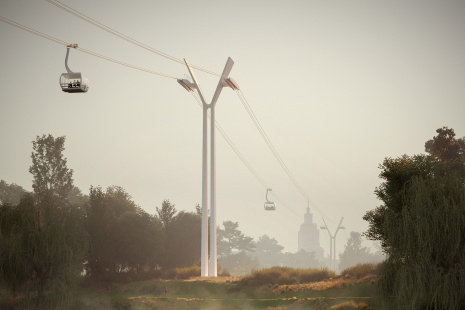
(76,197)
(354,253)
(166,212)
(139,244)
(49,169)
(397,174)
(268,246)
(123,236)
(183,240)
(268,251)
(99,223)
(10,193)
(449,150)
(420,225)
(46,249)
(230,238)
(42,239)
(445,146)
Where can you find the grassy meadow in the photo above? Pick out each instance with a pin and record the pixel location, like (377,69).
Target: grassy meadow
(273,288)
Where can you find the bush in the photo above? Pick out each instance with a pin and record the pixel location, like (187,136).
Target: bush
(285,275)
(224,273)
(186,272)
(360,270)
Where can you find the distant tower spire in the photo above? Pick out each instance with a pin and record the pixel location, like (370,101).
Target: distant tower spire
(309,235)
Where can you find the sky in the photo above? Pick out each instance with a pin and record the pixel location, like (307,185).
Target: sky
(337,86)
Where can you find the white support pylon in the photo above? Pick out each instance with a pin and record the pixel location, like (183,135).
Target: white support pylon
(223,82)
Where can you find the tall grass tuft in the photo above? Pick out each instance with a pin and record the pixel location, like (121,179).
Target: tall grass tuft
(350,305)
(186,272)
(361,270)
(285,275)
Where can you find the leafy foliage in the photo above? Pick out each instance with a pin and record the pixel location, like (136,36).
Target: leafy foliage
(420,225)
(166,213)
(123,237)
(49,170)
(183,240)
(425,266)
(10,193)
(43,251)
(42,240)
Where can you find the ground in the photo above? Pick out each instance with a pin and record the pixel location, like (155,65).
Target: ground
(224,293)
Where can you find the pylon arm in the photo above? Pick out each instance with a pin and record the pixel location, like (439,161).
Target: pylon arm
(232,83)
(187,85)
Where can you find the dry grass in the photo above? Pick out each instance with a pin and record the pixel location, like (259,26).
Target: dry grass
(186,272)
(350,305)
(361,271)
(285,275)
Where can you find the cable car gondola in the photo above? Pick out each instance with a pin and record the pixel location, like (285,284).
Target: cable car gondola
(269,205)
(73,82)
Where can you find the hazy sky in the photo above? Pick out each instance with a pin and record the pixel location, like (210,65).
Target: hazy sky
(337,85)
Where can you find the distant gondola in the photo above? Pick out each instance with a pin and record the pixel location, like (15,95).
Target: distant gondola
(73,82)
(269,205)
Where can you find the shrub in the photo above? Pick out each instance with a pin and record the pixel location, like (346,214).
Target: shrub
(360,270)
(285,275)
(187,272)
(224,273)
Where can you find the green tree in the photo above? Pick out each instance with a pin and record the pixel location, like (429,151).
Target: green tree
(46,249)
(49,170)
(76,197)
(10,193)
(445,146)
(166,213)
(397,174)
(42,238)
(183,240)
(139,244)
(99,223)
(420,225)
(123,236)
(231,238)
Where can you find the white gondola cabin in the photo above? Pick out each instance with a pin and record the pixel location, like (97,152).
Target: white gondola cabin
(73,82)
(269,205)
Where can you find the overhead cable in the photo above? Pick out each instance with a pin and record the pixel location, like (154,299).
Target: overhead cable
(273,149)
(48,37)
(242,158)
(120,35)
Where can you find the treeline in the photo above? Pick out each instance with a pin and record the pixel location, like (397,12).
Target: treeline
(55,237)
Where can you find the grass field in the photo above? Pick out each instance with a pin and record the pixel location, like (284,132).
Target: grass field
(273,288)
(222,293)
